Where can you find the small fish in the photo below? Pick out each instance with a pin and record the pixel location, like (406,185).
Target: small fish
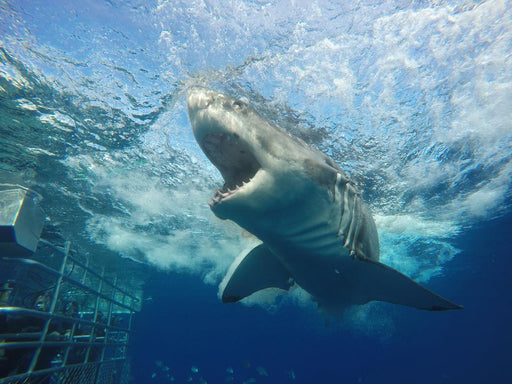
(194,369)
(229,370)
(262,371)
(153,375)
(291,374)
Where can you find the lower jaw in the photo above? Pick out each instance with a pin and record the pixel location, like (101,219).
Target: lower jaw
(213,202)
(216,208)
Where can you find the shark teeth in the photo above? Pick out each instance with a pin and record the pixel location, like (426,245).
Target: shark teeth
(225,192)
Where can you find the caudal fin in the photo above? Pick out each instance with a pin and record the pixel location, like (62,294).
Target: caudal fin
(376,281)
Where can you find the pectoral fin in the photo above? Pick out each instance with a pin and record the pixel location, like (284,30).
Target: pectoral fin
(376,281)
(259,269)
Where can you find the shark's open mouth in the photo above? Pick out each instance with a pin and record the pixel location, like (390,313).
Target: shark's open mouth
(233,159)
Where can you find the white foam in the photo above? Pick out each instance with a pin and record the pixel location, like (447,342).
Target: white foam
(193,240)
(416,247)
(415,226)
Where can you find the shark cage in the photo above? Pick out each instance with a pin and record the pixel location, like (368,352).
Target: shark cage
(62,319)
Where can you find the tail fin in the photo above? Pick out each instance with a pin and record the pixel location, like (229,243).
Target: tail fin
(376,281)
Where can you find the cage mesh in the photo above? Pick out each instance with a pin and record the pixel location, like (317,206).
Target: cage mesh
(62,321)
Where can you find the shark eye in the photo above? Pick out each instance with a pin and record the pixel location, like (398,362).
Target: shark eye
(238,104)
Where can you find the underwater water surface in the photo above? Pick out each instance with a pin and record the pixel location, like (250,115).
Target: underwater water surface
(412,99)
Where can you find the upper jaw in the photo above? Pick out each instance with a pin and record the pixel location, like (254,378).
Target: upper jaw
(233,157)
(234,160)
(205,113)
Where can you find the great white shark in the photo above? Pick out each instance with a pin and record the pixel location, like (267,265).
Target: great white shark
(316,230)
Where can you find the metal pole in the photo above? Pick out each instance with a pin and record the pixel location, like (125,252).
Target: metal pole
(92,336)
(56,292)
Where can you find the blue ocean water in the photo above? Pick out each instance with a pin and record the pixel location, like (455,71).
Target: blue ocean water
(413,99)
(470,346)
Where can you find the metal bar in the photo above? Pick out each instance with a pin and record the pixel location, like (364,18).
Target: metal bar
(109,311)
(55,369)
(95,316)
(102,355)
(37,344)
(20,335)
(127,335)
(86,269)
(107,335)
(34,313)
(68,348)
(52,308)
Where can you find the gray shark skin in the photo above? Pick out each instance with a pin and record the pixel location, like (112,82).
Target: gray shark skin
(315,229)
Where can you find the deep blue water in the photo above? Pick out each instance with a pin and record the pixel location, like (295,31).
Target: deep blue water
(186,325)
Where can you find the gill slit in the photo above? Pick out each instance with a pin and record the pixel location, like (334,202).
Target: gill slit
(350,213)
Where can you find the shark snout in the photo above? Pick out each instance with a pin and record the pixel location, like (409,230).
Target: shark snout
(199,98)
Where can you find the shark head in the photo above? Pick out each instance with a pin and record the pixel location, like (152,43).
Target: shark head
(263,166)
